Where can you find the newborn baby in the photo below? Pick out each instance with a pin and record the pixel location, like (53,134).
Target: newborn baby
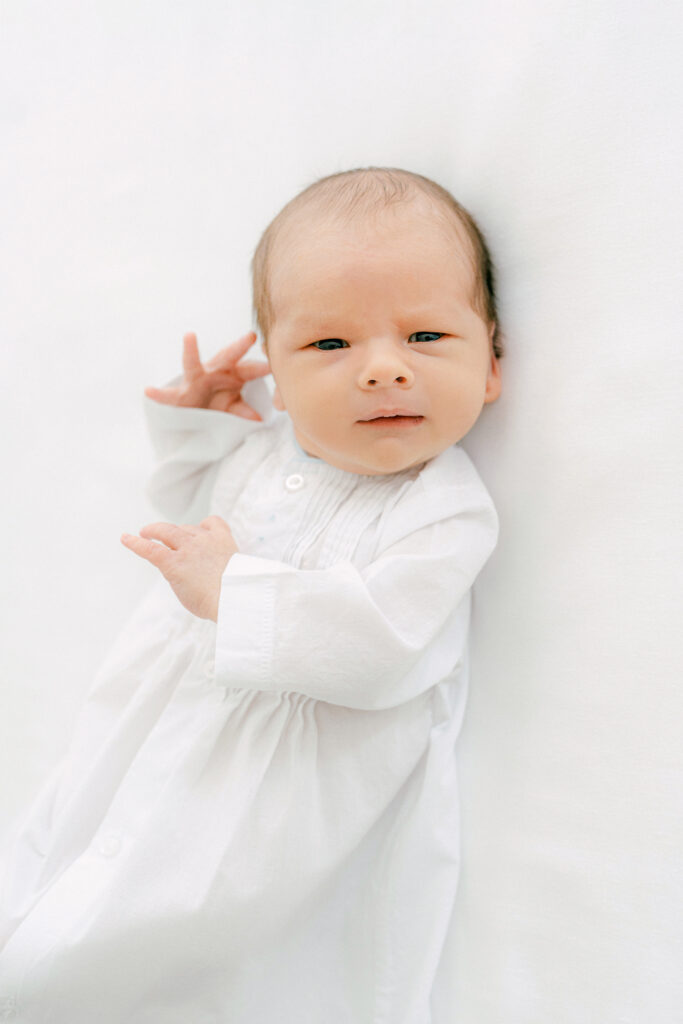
(257,818)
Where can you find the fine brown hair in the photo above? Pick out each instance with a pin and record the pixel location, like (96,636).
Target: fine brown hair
(365,191)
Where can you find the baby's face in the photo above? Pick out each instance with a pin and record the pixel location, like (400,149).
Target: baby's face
(376,353)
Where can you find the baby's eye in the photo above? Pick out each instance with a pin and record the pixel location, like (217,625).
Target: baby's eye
(330,344)
(425,336)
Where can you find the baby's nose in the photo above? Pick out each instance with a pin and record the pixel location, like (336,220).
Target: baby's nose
(385,369)
(386,381)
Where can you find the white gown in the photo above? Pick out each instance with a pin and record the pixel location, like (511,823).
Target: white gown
(257,819)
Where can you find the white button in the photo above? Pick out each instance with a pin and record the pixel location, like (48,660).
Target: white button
(109,844)
(294,482)
(208,669)
(8,1008)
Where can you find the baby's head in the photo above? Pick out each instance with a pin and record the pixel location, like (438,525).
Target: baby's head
(374,295)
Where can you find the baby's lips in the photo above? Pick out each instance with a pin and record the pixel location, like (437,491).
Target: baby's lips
(386,413)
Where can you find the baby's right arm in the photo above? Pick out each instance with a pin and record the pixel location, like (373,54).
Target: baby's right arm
(189,430)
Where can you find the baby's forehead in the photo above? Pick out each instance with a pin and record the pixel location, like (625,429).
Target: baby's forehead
(332,232)
(430,237)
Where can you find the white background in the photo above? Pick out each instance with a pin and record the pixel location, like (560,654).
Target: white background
(145,146)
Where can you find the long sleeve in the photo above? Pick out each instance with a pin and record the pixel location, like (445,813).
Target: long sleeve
(190,444)
(362,638)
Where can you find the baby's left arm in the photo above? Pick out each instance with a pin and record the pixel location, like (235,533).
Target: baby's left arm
(192,559)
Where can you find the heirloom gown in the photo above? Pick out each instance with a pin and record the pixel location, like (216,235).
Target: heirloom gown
(257,819)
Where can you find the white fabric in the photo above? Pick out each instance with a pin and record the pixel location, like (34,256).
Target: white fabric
(257,820)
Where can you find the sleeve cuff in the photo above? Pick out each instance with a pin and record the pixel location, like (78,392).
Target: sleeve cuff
(246,623)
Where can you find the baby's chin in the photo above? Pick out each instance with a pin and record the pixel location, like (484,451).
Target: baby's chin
(382,455)
(376,464)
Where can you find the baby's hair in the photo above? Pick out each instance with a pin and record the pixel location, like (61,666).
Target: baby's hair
(366,191)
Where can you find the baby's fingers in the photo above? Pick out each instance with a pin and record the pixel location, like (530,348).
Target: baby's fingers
(171,535)
(252,369)
(168,533)
(240,408)
(167,396)
(231,354)
(157,554)
(192,367)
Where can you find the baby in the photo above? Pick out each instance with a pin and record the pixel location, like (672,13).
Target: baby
(256,820)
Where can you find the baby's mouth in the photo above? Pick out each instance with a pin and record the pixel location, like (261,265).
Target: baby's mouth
(392,413)
(393,420)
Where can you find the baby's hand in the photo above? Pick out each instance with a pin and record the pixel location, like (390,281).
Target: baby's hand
(219,385)
(192,558)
